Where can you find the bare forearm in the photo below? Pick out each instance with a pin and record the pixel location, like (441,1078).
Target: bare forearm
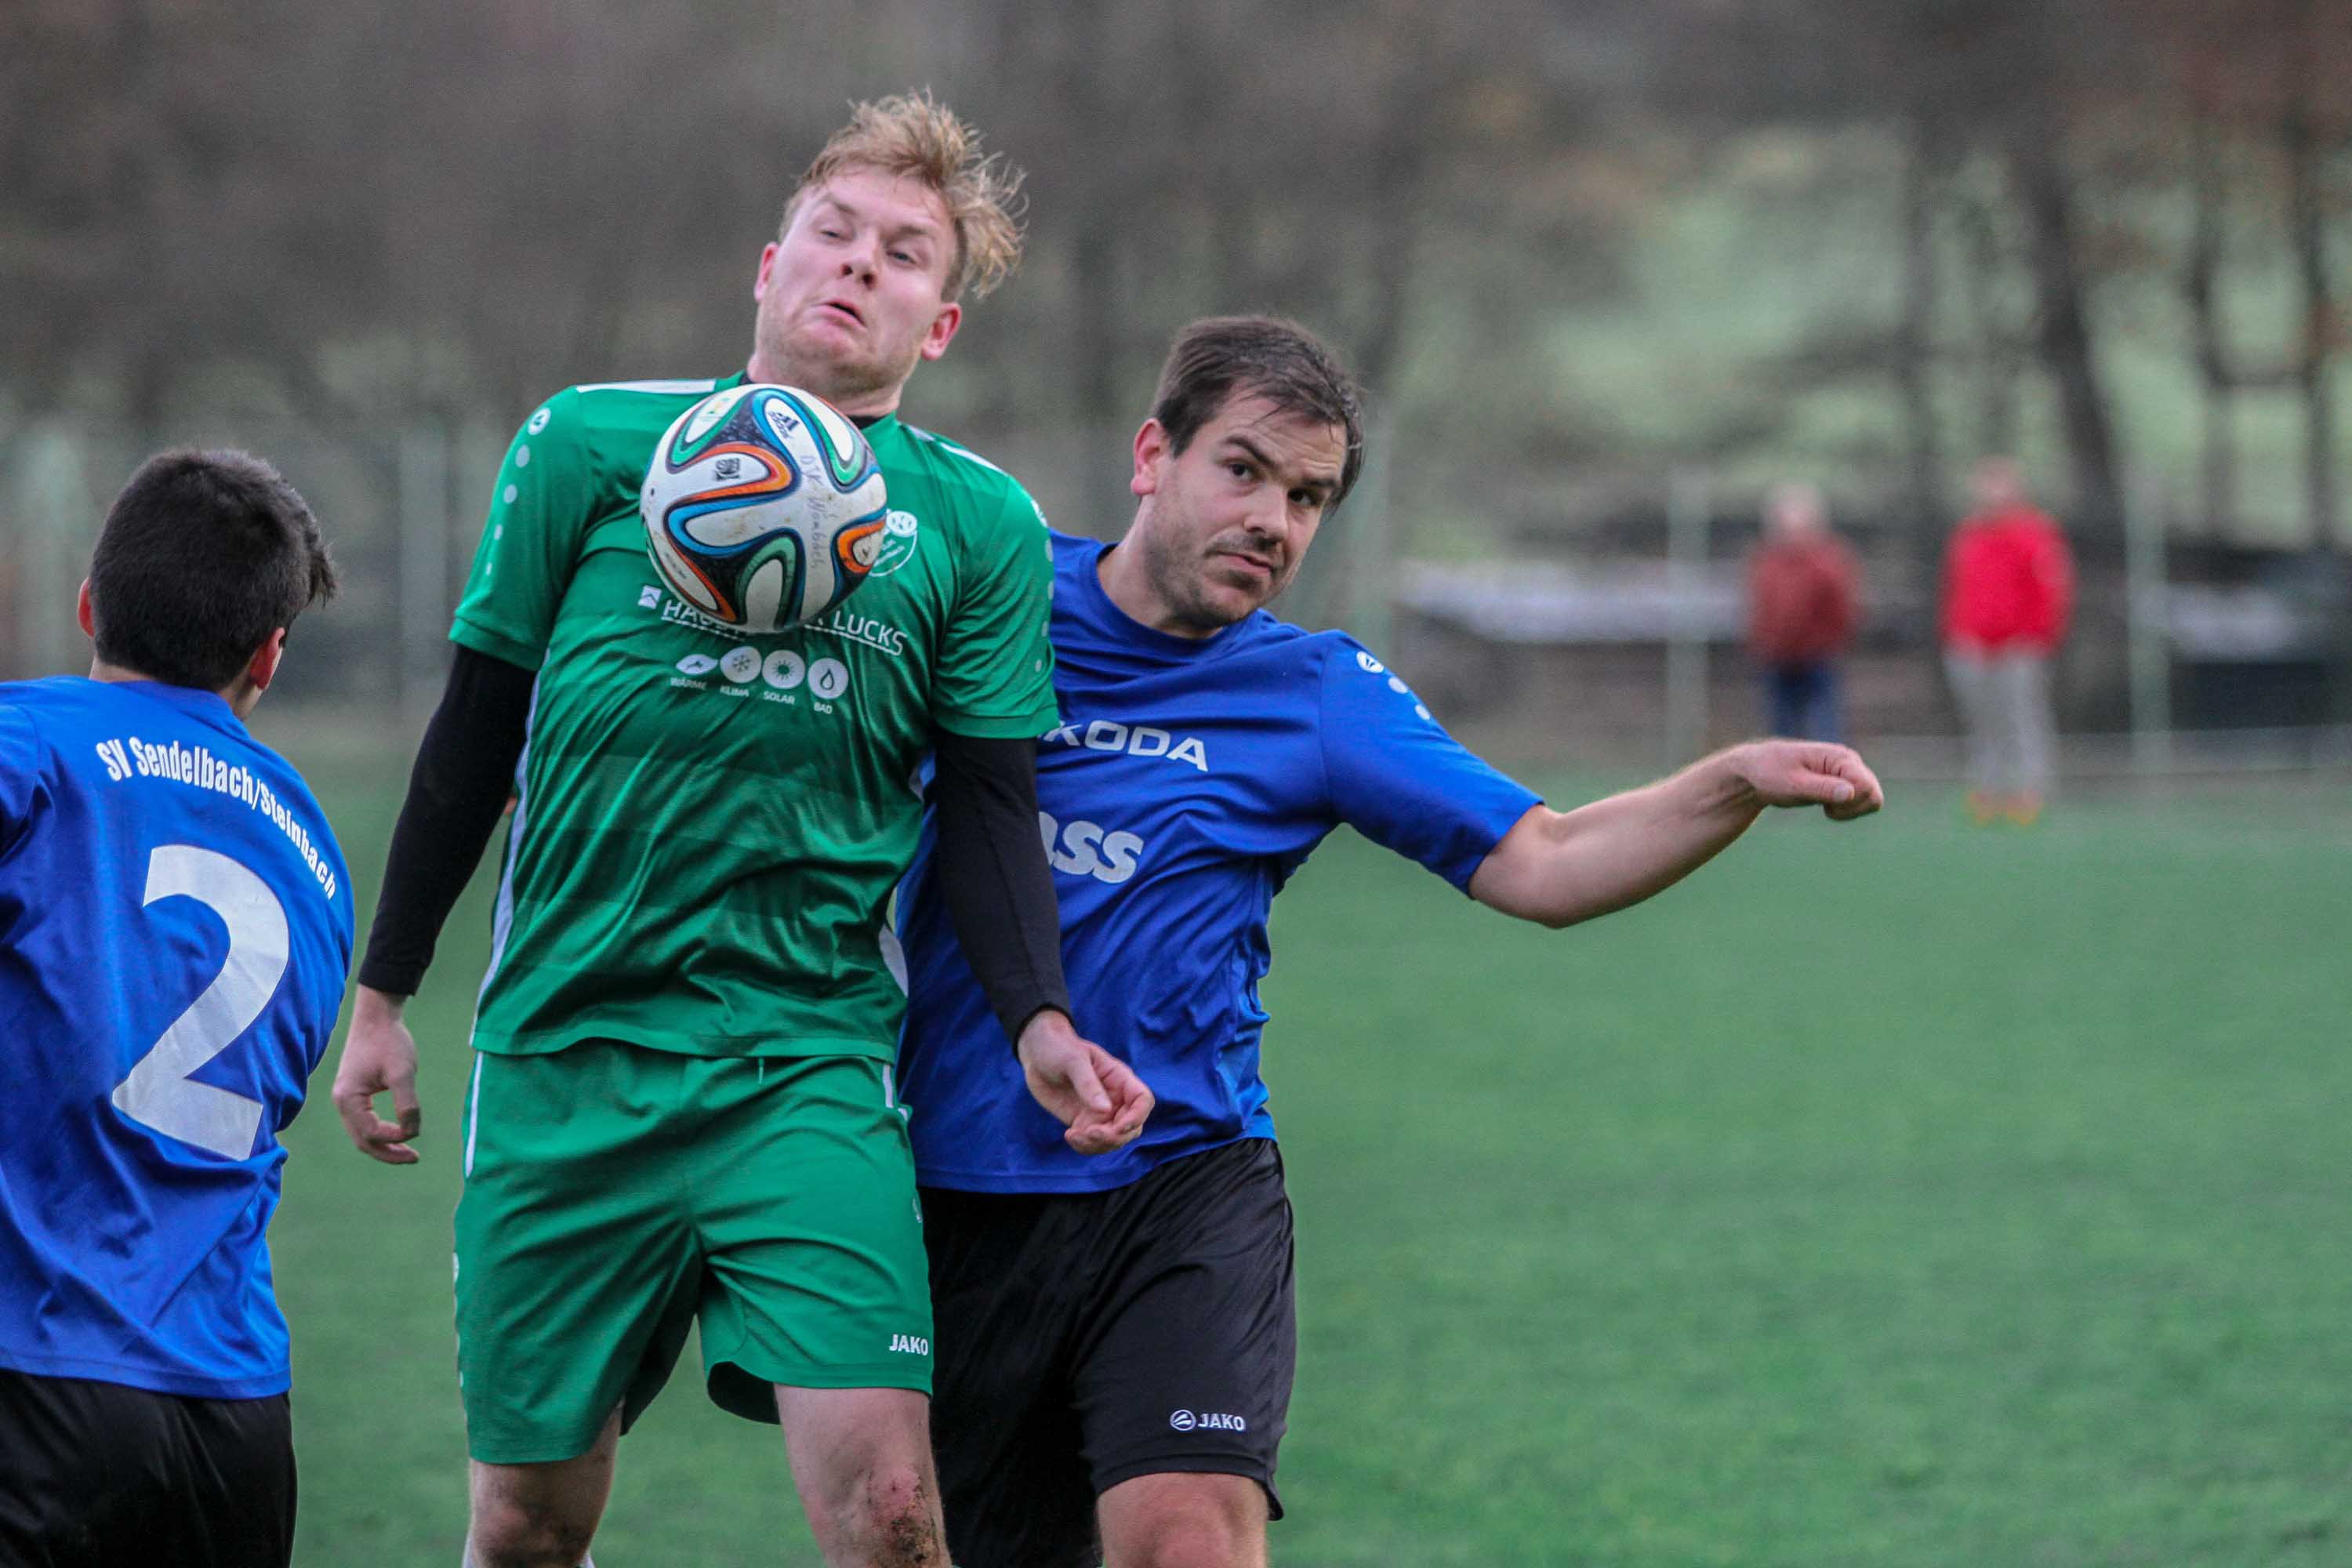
(1557,868)
(1644,841)
(1562,868)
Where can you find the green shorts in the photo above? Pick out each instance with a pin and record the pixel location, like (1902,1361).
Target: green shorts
(615,1194)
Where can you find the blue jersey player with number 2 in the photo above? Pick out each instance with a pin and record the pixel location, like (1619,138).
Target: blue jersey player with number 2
(175,923)
(1114,1336)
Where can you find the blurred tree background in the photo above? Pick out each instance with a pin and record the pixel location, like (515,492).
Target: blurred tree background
(1570,247)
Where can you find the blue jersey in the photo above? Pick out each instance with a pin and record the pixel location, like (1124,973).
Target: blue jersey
(1190,781)
(175,923)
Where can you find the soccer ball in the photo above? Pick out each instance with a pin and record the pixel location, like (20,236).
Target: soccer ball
(763,507)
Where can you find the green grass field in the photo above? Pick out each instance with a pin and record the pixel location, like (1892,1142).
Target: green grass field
(1891,1194)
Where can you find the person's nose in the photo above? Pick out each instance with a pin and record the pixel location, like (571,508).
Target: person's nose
(863,260)
(1269,520)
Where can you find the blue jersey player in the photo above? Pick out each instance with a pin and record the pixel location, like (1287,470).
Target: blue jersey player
(1115,1335)
(175,921)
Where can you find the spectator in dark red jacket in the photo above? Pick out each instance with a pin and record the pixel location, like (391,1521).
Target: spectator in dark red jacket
(2009,593)
(1801,587)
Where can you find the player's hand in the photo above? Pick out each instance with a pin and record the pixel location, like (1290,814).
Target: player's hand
(378,1056)
(1809,772)
(1090,1091)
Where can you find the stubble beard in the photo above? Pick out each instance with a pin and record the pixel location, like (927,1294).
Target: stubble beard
(835,376)
(1180,580)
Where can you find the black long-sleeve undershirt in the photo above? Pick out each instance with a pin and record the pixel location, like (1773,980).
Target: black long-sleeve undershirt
(464,775)
(994,877)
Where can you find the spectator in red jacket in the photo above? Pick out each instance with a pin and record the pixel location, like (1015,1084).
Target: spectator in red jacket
(2009,592)
(1801,587)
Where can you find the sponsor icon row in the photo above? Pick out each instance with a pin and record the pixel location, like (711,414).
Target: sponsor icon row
(783,670)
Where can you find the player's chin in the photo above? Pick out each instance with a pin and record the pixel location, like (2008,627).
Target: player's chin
(1227,594)
(835,348)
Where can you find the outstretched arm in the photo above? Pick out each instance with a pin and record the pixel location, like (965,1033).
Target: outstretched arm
(1560,867)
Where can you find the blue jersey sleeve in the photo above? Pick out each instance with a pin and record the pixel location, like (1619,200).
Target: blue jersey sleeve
(20,772)
(1398,778)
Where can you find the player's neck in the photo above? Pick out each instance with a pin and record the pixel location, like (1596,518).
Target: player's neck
(1126,581)
(241,694)
(110,673)
(863,407)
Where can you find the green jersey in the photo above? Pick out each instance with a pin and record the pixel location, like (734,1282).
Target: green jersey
(711,822)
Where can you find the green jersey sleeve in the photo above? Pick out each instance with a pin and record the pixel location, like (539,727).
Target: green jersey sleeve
(541,512)
(994,678)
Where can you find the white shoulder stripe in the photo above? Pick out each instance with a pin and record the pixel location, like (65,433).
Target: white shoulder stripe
(657,386)
(944,444)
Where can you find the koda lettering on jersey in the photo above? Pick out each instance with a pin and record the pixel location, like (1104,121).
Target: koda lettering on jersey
(1086,849)
(1135,740)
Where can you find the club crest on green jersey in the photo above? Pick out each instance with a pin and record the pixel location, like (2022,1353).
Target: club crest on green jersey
(895,544)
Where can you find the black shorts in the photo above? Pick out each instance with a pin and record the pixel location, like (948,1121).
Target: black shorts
(1086,1339)
(93,1475)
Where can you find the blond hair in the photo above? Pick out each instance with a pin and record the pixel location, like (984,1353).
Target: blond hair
(915,134)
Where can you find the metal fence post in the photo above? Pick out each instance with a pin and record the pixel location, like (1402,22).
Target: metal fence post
(1686,531)
(2146,635)
(423,565)
(59,521)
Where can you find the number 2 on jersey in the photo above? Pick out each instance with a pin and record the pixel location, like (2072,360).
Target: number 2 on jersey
(159,1093)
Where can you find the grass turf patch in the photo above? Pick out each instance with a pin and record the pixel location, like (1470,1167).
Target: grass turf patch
(1899,1194)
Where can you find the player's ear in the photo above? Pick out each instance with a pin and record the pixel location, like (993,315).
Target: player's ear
(262,667)
(767,264)
(1152,447)
(944,330)
(83,613)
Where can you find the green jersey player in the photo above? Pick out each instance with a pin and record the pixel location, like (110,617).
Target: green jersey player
(680,1106)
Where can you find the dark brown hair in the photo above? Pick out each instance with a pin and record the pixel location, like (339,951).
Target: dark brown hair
(1224,357)
(203,555)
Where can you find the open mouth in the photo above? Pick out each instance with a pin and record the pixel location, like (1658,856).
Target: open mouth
(841,310)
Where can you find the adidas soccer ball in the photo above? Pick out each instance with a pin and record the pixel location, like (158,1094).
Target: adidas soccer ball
(763,507)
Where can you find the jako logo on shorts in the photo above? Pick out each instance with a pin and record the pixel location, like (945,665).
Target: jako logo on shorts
(1206,1421)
